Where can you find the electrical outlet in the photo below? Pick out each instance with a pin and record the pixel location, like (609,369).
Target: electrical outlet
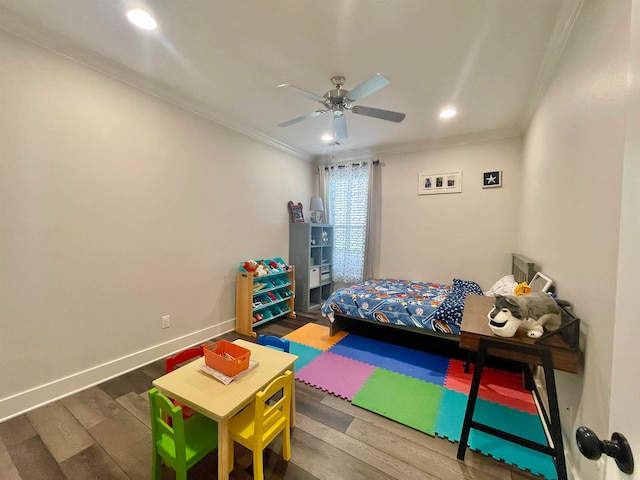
(166,321)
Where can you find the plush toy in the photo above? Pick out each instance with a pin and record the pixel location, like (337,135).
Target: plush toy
(522,289)
(261,270)
(534,313)
(250,265)
(273,266)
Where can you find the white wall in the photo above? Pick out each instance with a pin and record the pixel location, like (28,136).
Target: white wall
(625,389)
(572,174)
(117,208)
(469,235)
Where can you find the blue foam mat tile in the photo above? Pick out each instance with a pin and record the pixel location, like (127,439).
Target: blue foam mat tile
(305,354)
(406,361)
(451,417)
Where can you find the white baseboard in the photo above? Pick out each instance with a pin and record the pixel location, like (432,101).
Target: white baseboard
(27,400)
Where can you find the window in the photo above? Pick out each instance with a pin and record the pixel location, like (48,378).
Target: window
(347,189)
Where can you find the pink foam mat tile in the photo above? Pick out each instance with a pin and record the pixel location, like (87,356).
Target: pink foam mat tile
(498,386)
(335,374)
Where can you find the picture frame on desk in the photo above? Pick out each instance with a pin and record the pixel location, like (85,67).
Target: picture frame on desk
(296,212)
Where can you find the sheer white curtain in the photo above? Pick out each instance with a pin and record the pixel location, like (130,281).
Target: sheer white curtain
(349,193)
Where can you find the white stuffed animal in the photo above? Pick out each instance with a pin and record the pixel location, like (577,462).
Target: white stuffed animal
(261,270)
(533,313)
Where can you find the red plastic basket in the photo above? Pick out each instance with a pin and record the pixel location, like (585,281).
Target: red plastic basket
(226,357)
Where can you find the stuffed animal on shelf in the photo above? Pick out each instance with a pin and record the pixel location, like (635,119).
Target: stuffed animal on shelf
(274,266)
(534,313)
(250,265)
(261,270)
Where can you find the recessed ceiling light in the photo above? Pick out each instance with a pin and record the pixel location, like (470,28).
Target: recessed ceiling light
(327,138)
(142,19)
(448,113)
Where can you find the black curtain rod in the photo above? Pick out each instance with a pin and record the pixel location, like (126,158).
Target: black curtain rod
(374,162)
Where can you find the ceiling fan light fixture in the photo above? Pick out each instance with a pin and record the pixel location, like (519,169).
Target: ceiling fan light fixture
(338,101)
(448,112)
(327,138)
(142,19)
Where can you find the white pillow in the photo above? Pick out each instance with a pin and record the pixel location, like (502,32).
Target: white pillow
(505,286)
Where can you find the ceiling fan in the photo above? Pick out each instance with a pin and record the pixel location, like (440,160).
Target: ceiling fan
(338,101)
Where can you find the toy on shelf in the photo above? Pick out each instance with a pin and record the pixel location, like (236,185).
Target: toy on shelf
(250,265)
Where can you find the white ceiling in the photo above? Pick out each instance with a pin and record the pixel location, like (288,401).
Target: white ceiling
(491,59)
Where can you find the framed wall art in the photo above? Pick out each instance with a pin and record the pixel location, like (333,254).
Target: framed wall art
(440,182)
(492,179)
(296,212)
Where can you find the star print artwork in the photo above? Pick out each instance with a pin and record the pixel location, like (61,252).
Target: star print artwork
(492,179)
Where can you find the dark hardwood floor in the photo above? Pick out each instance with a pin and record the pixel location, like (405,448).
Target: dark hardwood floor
(103,433)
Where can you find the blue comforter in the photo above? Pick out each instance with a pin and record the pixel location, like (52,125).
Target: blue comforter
(432,306)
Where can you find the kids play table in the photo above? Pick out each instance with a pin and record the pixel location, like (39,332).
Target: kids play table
(209,396)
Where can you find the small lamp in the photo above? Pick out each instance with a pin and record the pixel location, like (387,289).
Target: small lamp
(317,210)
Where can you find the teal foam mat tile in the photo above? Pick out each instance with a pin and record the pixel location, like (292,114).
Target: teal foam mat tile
(451,417)
(305,354)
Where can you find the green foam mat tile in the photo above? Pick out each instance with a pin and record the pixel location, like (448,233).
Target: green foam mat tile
(406,400)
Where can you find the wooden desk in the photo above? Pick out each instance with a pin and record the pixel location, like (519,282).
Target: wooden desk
(475,327)
(207,395)
(475,335)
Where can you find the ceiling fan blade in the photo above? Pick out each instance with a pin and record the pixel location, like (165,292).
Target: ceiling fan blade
(340,127)
(378,113)
(367,87)
(305,93)
(317,113)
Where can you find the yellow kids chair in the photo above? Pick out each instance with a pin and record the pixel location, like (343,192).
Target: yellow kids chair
(181,443)
(255,427)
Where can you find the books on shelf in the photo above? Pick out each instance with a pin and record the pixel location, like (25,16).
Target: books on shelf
(258,286)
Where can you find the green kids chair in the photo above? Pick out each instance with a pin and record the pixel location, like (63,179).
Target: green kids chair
(181,444)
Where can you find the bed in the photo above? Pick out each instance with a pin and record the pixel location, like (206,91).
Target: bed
(427,308)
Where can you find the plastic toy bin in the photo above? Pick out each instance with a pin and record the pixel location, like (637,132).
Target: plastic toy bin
(226,357)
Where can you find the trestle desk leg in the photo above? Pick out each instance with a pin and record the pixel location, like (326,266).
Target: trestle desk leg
(551,418)
(473,397)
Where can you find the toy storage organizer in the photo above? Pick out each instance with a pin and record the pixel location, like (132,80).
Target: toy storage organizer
(261,298)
